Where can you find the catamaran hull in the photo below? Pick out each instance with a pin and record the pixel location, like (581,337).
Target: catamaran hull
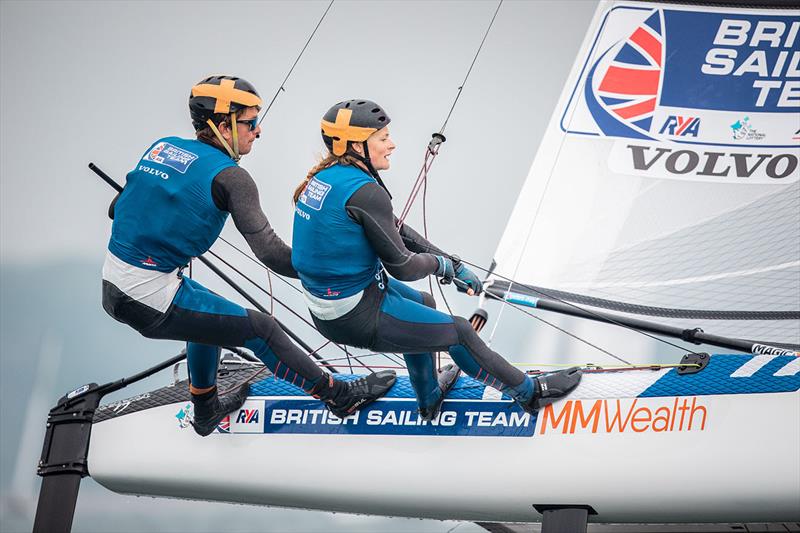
(633,456)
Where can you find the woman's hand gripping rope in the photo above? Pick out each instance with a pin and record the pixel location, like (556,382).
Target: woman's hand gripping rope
(452,270)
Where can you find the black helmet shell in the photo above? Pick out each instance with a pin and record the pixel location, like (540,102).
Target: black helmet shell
(351,121)
(220,95)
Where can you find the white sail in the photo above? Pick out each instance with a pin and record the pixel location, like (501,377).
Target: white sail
(668,177)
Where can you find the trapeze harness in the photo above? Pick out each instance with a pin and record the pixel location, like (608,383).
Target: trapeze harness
(173,207)
(344,242)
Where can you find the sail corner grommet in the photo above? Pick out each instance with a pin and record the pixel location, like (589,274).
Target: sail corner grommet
(692,363)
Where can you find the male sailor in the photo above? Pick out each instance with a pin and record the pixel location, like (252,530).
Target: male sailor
(173,207)
(351,255)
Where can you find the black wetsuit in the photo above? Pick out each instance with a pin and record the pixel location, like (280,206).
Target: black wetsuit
(390,316)
(196,315)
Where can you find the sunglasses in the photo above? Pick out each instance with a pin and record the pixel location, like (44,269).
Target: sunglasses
(251,124)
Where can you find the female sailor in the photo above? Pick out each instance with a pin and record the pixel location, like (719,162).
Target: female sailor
(173,207)
(345,241)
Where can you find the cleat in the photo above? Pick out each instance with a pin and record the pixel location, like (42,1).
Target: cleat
(447,378)
(346,397)
(210,409)
(551,387)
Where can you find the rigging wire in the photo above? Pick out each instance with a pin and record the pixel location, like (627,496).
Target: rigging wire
(400,365)
(438,138)
(229,265)
(391,357)
(576,306)
(562,330)
(536,215)
(281,88)
(503,300)
(432,150)
(463,83)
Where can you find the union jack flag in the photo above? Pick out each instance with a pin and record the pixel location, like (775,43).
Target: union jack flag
(630,86)
(225,425)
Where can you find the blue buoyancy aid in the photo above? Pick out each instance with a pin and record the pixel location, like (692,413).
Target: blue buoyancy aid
(166,214)
(330,251)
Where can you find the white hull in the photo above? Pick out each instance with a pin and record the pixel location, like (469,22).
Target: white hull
(738,462)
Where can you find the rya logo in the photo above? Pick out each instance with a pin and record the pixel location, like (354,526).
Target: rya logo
(247,416)
(681,126)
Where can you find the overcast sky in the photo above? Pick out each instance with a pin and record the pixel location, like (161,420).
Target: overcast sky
(100,81)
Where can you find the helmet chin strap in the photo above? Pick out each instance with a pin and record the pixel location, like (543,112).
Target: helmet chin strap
(368,163)
(234,153)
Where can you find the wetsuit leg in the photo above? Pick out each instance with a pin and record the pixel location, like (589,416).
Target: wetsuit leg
(204,318)
(422,370)
(410,327)
(203,361)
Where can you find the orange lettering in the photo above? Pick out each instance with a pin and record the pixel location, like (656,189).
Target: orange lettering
(664,419)
(674,414)
(644,418)
(695,408)
(592,416)
(547,414)
(617,420)
(682,409)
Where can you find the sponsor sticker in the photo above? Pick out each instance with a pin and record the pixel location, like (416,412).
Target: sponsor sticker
(723,164)
(314,194)
(744,130)
(629,415)
(248,419)
(119,406)
(171,156)
(185,416)
(690,75)
(385,417)
(78,391)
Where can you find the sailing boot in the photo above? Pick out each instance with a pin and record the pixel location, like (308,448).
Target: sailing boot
(210,409)
(448,376)
(343,398)
(548,388)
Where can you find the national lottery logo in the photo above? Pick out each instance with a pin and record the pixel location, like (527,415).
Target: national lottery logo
(743,130)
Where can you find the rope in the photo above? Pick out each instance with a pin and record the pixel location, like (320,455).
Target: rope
(463,83)
(438,138)
(562,330)
(392,357)
(281,88)
(295,313)
(565,302)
